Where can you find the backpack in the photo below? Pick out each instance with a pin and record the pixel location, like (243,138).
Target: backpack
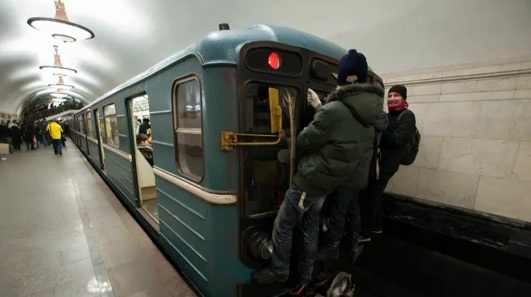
(411,148)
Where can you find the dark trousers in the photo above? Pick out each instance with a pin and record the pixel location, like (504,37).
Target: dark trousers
(57,146)
(297,206)
(372,203)
(344,215)
(16,143)
(29,142)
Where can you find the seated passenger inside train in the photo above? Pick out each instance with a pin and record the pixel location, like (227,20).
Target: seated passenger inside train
(144,148)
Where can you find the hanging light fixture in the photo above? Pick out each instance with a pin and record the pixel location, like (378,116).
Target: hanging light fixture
(58,94)
(61,84)
(60,27)
(57,68)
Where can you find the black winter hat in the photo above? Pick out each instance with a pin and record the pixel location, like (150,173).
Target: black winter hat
(353,63)
(400,89)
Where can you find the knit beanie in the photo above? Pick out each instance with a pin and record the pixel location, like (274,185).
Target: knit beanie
(400,89)
(353,63)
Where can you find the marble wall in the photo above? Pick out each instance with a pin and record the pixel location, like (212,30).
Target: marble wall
(475,150)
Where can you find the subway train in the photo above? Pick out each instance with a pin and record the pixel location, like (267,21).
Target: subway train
(221,115)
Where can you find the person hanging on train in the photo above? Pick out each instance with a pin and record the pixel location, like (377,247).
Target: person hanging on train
(330,148)
(394,139)
(343,204)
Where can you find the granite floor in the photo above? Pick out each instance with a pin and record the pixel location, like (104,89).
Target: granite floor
(64,233)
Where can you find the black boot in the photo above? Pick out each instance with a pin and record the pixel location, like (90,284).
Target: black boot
(267,276)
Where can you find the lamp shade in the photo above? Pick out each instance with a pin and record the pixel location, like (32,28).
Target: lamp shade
(60,27)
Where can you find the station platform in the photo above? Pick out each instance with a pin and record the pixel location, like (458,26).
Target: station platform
(64,233)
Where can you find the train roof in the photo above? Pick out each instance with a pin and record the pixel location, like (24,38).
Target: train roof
(222,47)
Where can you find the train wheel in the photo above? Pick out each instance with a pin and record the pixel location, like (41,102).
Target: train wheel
(341,286)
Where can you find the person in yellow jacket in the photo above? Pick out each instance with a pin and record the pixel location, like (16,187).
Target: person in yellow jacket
(56,132)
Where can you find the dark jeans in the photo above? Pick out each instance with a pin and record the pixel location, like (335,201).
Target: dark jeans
(297,207)
(344,215)
(373,203)
(29,142)
(16,143)
(57,146)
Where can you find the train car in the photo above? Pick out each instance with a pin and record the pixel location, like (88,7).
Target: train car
(221,113)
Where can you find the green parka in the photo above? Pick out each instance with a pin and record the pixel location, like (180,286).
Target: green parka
(334,142)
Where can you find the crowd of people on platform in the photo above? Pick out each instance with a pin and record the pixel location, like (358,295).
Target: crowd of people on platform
(34,135)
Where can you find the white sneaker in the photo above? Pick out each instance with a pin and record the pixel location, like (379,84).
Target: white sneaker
(3,159)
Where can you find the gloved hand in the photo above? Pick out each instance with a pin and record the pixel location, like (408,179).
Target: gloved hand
(313,99)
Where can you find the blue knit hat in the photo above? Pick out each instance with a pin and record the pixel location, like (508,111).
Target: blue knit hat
(353,63)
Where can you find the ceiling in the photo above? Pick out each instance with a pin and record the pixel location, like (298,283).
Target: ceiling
(132,35)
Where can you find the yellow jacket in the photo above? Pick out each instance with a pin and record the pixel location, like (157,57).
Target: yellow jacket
(55,130)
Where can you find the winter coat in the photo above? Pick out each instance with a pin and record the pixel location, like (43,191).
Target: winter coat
(394,139)
(359,179)
(333,144)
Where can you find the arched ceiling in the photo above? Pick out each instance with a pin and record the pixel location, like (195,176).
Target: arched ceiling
(132,35)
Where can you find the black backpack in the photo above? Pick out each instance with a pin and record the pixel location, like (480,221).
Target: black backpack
(411,148)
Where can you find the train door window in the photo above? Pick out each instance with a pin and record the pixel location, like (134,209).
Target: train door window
(101,127)
(144,155)
(267,169)
(90,126)
(188,128)
(111,125)
(80,124)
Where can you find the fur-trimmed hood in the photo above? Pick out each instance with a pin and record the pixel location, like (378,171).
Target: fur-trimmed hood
(365,101)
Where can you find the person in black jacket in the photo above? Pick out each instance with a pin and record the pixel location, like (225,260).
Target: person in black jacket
(400,129)
(16,136)
(143,128)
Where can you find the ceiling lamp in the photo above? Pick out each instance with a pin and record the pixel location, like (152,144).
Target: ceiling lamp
(58,95)
(59,27)
(57,68)
(61,84)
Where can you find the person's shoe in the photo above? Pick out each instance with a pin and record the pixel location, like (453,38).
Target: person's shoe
(3,159)
(267,276)
(327,253)
(377,231)
(61,153)
(364,238)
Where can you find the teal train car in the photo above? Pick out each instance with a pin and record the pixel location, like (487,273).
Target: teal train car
(221,115)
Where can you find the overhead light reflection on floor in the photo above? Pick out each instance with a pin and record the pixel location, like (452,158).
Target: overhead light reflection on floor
(94,287)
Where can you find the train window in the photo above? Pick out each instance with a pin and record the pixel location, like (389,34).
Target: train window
(111,125)
(188,128)
(90,126)
(267,168)
(80,124)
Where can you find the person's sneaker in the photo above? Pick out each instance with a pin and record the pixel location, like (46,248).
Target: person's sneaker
(364,238)
(267,276)
(327,253)
(3,159)
(377,231)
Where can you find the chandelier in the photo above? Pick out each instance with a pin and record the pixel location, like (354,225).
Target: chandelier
(60,27)
(58,94)
(57,68)
(61,84)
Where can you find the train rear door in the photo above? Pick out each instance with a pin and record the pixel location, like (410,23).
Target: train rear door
(143,155)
